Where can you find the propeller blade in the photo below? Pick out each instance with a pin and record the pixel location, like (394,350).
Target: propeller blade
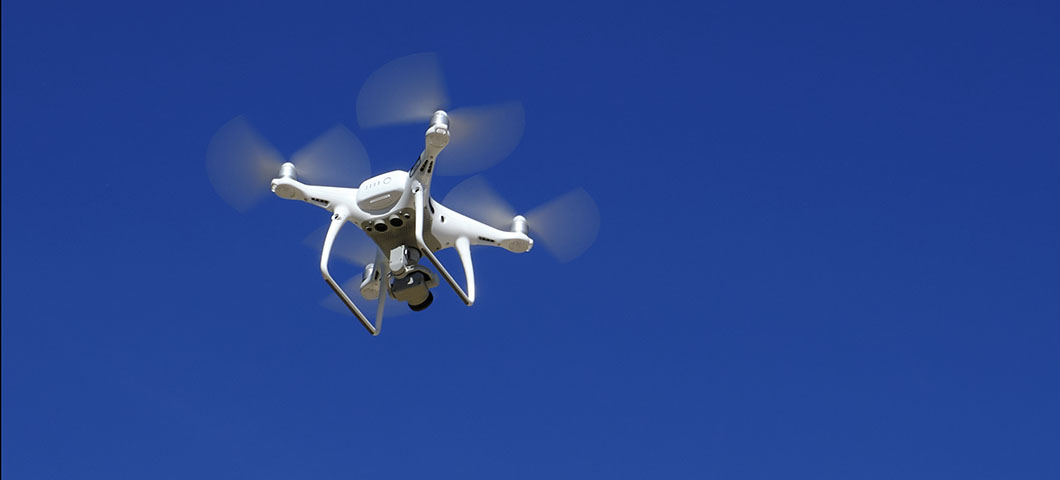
(567,225)
(481,137)
(351,245)
(475,198)
(410,89)
(406,90)
(334,158)
(241,164)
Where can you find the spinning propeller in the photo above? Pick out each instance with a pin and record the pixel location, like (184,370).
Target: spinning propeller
(410,89)
(241,163)
(566,225)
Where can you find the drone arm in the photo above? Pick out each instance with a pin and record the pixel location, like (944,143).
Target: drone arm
(464,251)
(337,221)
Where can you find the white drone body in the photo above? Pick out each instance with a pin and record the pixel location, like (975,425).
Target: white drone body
(396,211)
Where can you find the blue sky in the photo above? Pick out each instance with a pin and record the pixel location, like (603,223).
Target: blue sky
(828,245)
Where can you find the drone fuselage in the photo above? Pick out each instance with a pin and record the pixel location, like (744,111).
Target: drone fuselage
(396,211)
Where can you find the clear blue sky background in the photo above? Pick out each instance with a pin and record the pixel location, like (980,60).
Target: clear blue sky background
(829,245)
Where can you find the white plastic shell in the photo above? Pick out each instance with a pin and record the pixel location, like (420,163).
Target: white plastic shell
(381,192)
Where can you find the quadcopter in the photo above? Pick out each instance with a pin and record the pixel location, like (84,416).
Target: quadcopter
(395,210)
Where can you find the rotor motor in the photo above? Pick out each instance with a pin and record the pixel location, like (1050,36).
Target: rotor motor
(519,225)
(438,132)
(285,189)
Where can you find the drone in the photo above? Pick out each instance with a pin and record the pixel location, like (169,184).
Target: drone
(395,210)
